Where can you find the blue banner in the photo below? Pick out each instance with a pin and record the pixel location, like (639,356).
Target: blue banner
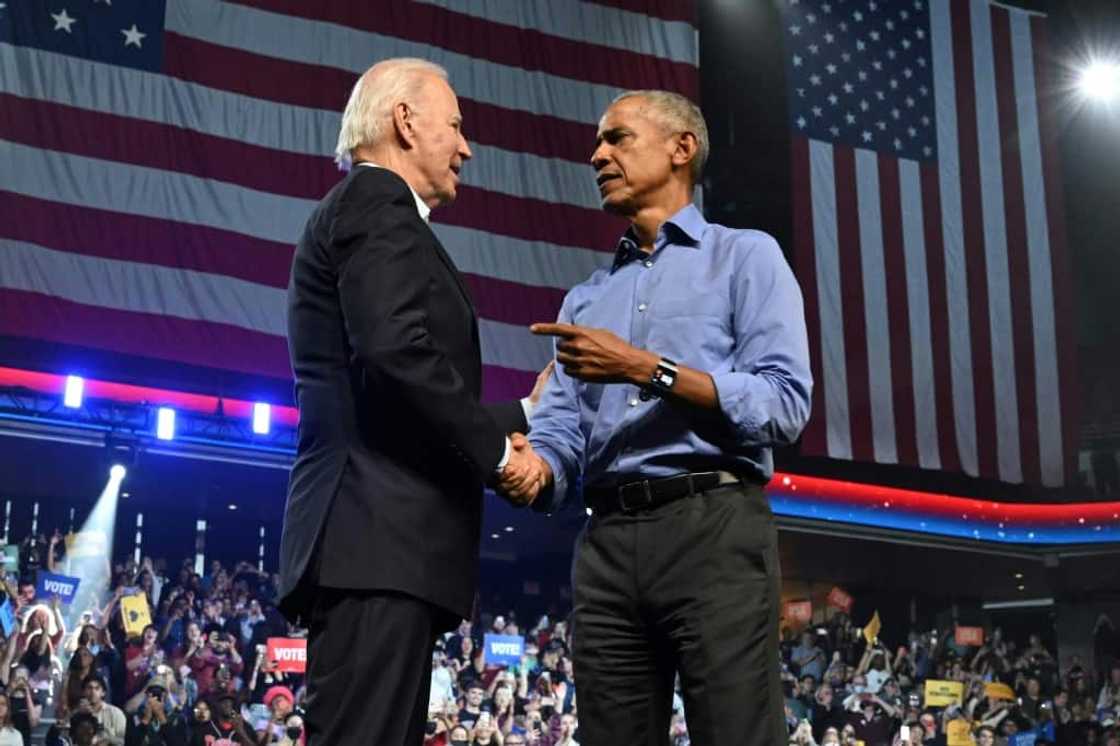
(503,650)
(50,585)
(7,617)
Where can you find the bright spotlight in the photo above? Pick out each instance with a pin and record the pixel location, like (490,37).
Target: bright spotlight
(262,418)
(72,397)
(165,423)
(117,472)
(1101,81)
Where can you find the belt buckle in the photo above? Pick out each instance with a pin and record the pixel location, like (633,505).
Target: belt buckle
(641,490)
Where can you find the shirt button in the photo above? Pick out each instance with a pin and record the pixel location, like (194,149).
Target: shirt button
(642,306)
(648,263)
(633,402)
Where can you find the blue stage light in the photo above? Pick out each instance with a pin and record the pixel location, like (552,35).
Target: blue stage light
(165,423)
(117,472)
(72,397)
(262,418)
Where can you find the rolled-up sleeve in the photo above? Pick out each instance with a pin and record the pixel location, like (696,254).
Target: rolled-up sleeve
(555,433)
(766,394)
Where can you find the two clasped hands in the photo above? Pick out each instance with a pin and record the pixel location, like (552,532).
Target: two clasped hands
(592,355)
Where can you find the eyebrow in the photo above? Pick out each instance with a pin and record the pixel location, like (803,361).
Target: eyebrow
(613,132)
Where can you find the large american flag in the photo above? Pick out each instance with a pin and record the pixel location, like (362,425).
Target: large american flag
(158,160)
(929,236)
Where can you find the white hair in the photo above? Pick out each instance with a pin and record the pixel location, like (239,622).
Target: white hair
(676,114)
(369,112)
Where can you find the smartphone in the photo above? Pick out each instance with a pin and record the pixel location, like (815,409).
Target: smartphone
(904,733)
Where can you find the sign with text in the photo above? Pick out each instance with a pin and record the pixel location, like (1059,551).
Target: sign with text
(970,636)
(503,650)
(840,600)
(999,690)
(51,585)
(959,733)
(800,612)
(135,614)
(290,653)
(7,617)
(873,628)
(941,693)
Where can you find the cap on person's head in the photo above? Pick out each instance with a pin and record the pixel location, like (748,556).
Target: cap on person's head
(278,691)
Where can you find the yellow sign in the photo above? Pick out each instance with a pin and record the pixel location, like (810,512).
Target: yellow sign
(996,690)
(136,614)
(959,733)
(943,693)
(871,631)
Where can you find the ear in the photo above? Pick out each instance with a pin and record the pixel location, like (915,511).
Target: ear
(685,149)
(404,120)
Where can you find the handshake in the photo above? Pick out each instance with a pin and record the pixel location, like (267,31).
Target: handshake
(524,475)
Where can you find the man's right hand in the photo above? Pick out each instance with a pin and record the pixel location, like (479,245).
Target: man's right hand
(525,474)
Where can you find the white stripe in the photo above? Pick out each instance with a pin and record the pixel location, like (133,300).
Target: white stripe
(1047,391)
(533,263)
(142,288)
(588,23)
(137,190)
(875,308)
(1008,453)
(833,361)
(917,298)
(319,43)
(131,93)
(952,229)
(513,346)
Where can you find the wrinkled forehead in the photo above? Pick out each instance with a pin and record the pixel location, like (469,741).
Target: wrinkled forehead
(629,112)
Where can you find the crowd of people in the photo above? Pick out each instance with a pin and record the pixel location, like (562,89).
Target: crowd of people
(199,675)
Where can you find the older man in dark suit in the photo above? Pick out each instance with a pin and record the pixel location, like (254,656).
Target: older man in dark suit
(381,530)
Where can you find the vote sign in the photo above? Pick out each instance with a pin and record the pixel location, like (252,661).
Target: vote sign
(290,653)
(503,650)
(62,586)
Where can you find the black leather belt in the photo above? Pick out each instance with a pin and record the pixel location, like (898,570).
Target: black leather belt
(651,493)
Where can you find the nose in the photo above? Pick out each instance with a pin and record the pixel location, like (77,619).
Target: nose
(464,148)
(599,159)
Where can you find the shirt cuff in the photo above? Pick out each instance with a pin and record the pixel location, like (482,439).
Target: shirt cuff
(527,407)
(505,456)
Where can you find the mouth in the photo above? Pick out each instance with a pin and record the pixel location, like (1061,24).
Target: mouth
(605,178)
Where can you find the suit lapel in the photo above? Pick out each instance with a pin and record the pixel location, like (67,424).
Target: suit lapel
(454,272)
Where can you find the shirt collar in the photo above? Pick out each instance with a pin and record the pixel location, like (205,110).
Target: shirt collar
(687,225)
(421,206)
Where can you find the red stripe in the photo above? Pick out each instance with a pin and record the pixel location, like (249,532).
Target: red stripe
(67,129)
(133,238)
(37,316)
(851,292)
(513,303)
(505,384)
(1059,256)
(939,319)
(528,49)
(975,265)
(321,87)
(814,439)
(666,10)
(898,311)
(1022,318)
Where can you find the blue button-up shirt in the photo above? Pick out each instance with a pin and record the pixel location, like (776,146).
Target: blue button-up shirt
(719,300)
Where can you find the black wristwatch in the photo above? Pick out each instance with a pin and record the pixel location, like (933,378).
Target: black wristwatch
(662,380)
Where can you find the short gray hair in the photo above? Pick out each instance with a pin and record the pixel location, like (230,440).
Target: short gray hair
(368,113)
(676,114)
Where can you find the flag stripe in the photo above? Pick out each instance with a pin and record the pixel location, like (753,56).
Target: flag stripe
(1059,262)
(876,327)
(669,10)
(852,289)
(1048,397)
(832,317)
(1000,340)
(949,190)
(590,23)
(923,401)
(1018,261)
(896,308)
(941,327)
(814,438)
(511,302)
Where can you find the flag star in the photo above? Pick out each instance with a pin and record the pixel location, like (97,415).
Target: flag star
(797,60)
(925,121)
(910,102)
(874,35)
(834,130)
(894,83)
(133,36)
(813,49)
(860,45)
(928,151)
(923,90)
(907,73)
(817,111)
(912,132)
(895,113)
(849,88)
(831,68)
(890,53)
(801,122)
(866,136)
(801,93)
(828,37)
(864,106)
(917,4)
(920,33)
(845,56)
(826,8)
(843,26)
(903,14)
(863,75)
(811,18)
(63,22)
(881,125)
(795,30)
(897,144)
(815,79)
(833,99)
(890,25)
(921,62)
(905,43)
(850,117)
(873,6)
(880,95)
(857,16)
(877,64)
(107,2)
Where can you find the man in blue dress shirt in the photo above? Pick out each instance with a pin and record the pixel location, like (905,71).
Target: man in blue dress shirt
(679,369)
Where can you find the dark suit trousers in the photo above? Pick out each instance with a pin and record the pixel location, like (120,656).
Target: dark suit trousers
(369,668)
(689,587)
